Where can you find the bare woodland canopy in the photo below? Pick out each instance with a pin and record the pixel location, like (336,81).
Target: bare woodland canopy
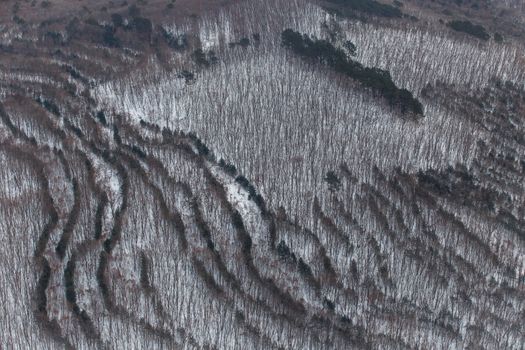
(202,180)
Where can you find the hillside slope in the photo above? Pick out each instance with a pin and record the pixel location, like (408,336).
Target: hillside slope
(178,175)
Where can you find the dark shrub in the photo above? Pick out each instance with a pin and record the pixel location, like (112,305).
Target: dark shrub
(101,117)
(200,58)
(109,37)
(244,42)
(142,25)
(133,11)
(333,181)
(350,46)
(285,252)
(117,20)
(186,75)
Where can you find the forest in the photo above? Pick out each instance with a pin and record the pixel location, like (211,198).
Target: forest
(245,174)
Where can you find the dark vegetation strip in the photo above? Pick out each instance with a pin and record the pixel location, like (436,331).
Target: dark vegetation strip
(175,217)
(17,132)
(380,81)
(202,226)
(369,7)
(49,206)
(468,27)
(40,296)
(116,232)
(116,159)
(50,326)
(144,261)
(231,170)
(39,168)
(43,282)
(110,242)
(467,268)
(63,161)
(145,265)
(70,224)
(69,282)
(412,248)
(4,117)
(49,105)
(99,214)
(75,74)
(79,252)
(206,234)
(330,225)
(246,247)
(204,153)
(208,279)
(415,195)
(459,186)
(351,332)
(172,216)
(285,253)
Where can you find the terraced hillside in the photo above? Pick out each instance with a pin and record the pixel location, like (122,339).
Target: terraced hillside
(194,176)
